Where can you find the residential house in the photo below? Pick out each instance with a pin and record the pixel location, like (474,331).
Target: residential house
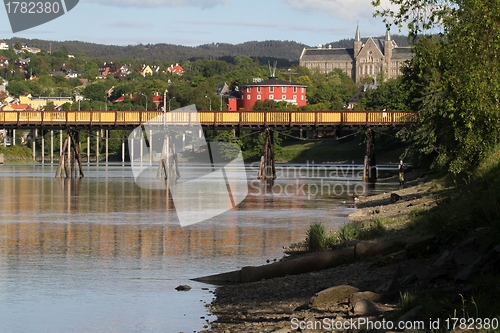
(30,49)
(157,99)
(39,103)
(355,98)
(4,62)
(155,68)
(105,70)
(272,89)
(73,75)
(177,69)
(17,107)
(230,97)
(3,45)
(146,70)
(126,69)
(56,73)
(22,63)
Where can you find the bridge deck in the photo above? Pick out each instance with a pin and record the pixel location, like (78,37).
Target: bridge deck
(208,119)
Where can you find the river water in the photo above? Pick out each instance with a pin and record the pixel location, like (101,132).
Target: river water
(101,254)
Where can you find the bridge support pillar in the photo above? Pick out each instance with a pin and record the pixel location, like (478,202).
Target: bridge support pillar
(51,147)
(43,147)
(98,134)
(88,148)
(370,166)
(106,138)
(169,162)
(267,169)
(66,161)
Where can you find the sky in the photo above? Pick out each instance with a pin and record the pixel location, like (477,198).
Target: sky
(197,22)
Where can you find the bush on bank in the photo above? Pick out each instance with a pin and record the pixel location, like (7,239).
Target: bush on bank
(16,153)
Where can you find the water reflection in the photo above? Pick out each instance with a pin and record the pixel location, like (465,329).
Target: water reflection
(73,249)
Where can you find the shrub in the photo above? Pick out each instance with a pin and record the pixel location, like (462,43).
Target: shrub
(316,237)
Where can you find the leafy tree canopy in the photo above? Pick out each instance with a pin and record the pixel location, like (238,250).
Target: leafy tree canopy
(453,80)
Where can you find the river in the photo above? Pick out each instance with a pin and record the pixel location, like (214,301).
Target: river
(101,254)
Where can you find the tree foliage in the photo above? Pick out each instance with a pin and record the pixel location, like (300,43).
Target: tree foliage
(390,95)
(453,80)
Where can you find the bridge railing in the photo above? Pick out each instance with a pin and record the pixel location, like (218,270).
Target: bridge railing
(206,118)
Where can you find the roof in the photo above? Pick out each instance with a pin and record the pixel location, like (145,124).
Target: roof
(316,54)
(20,106)
(273,82)
(402,53)
(177,69)
(119,99)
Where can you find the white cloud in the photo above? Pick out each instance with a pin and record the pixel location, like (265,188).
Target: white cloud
(204,4)
(342,9)
(339,9)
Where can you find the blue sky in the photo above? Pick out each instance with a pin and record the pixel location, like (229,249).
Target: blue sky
(196,22)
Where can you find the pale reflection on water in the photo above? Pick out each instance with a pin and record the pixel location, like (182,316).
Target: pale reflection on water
(100,254)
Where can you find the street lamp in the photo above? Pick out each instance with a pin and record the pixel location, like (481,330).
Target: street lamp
(169,102)
(165,99)
(165,106)
(146,100)
(210,102)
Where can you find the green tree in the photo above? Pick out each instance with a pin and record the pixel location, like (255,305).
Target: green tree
(95,91)
(390,95)
(453,80)
(17,88)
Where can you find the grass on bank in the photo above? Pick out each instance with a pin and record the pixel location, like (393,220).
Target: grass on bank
(319,239)
(331,150)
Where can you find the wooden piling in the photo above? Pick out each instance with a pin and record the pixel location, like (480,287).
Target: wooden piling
(267,169)
(370,166)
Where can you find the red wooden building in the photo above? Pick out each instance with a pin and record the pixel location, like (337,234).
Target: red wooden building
(272,89)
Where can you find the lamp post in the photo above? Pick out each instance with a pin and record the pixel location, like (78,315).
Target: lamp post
(210,102)
(165,106)
(146,100)
(169,102)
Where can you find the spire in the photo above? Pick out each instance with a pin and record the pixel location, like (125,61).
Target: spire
(388,34)
(358,37)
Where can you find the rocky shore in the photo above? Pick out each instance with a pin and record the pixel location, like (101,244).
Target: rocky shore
(377,288)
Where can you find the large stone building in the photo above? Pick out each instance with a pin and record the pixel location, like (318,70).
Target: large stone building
(376,58)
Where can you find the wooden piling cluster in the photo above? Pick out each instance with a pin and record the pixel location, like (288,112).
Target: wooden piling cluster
(66,160)
(267,169)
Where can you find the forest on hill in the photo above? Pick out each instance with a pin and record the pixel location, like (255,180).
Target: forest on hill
(288,52)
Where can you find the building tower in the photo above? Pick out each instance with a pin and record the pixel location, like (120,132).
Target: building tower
(357,42)
(388,46)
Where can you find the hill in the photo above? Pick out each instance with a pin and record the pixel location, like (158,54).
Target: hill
(286,50)
(168,52)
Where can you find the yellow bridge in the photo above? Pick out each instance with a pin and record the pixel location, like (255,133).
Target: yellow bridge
(208,119)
